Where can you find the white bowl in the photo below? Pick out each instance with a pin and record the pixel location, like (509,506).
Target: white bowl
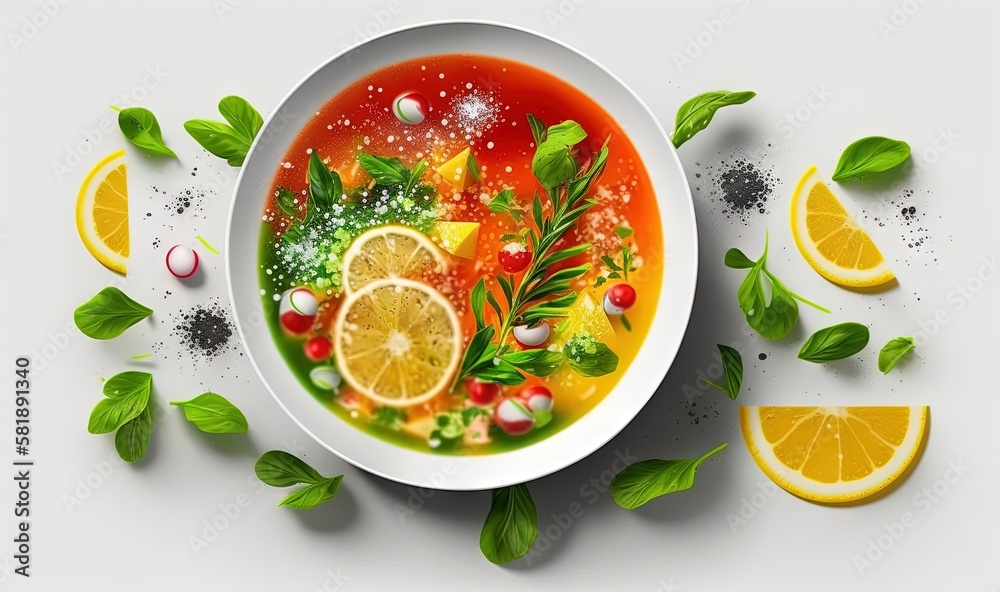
(641,378)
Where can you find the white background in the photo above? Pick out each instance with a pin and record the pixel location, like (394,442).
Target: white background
(930,78)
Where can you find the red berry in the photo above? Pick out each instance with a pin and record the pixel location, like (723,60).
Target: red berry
(513,416)
(295,323)
(536,398)
(318,349)
(618,299)
(482,393)
(514,257)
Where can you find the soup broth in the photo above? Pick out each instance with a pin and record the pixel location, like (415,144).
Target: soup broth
(460,254)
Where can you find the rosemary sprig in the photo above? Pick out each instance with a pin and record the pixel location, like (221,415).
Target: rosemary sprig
(540,293)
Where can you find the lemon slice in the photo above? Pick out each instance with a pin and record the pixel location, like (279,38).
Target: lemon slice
(389,252)
(397,342)
(833,454)
(830,239)
(102,212)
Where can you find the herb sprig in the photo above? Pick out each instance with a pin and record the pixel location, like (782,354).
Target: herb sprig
(278,468)
(540,293)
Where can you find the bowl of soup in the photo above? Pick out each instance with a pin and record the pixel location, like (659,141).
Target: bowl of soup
(461,255)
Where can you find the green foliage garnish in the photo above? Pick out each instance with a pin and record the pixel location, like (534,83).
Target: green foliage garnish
(589,357)
(451,425)
(873,154)
(213,414)
(388,417)
(108,314)
(544,291)
(312,248)
(774,319)
(732,368)
(511,526)
(140,127)
(126,408)
(232,141)
(696,113)
(649,479)
(504,203)
(286,200)
(132,439)
(278,468)
(893,352)
(835,343)
(537,362)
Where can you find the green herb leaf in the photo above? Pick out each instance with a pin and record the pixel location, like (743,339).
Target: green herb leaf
(893,352)
(623,232)
(140,127)
(503,203)
(126,396)
(385,171)
(285,198)
(388,417)
(232,141)
(313,495)
(554,162)
(835,343)
(542,418)
(625,322)
(450,425)
(537,129)
(732,367)
(870,155)
(414,177)
(511,526)
(219,139)
(589,357)
(213,414)
(500,372)
(649,479)
(537,362)
(774,319)
(478,300)
(108,314)
(735,259)
(278,468)
(132,439)
(325,187)
(241,116)
(695,114)
(473,167)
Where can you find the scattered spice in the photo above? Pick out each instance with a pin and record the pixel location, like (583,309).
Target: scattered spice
(744,188)
(205,331)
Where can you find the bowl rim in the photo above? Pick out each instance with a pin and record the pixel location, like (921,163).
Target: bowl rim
(569,458)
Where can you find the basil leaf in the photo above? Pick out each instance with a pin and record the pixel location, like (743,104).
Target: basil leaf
(325,187)
(140,127)
(735,259)
(511,526)
(127,395)
(242,116)
(477,298)
(774,319)
(414,176)
(278,468)
(649,479)
(623,231)
(696,113)
(554,163)
(132,439)
(313,495)
(503,203)
(473,167)
(108,314)
(537,129)
(835,343)
(578,187)
(537,362)
(219,139)
(870,155)
(589,357)
(285,199)
(893,352)
(385,171)
(213,414)
(732,366)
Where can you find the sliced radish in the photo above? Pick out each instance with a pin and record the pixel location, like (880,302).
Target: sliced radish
(182,261)
(529,337)
(536,398)
(411,107)
(513,416)
(618,299)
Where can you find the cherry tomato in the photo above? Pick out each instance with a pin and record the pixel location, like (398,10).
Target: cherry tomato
(618,299)
(482,393)
(318,349)
(514,257)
